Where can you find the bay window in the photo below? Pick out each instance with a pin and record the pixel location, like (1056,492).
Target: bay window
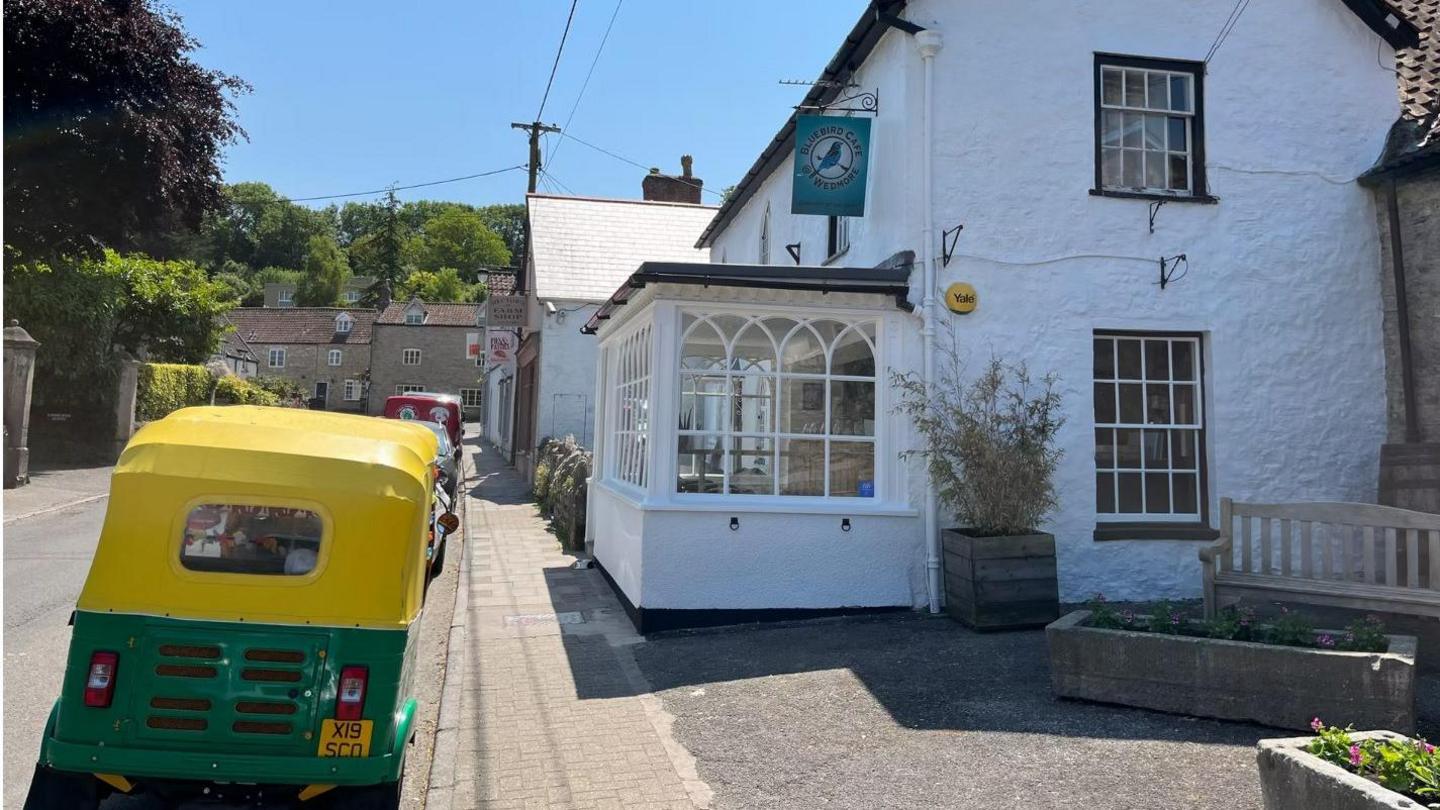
(631,400)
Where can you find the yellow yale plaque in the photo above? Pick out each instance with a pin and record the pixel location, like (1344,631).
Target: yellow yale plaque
(960,297)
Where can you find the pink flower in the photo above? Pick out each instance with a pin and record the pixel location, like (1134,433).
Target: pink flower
(1325,641)
(1316,725)
(1355,755)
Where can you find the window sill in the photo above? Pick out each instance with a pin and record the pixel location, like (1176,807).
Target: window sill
(757,504)
(1204,199)
(1154,531)
(829,260)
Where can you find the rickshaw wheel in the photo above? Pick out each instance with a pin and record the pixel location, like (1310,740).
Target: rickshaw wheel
(54,790)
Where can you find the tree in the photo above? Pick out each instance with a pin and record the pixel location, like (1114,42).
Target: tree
(460,239)
(326,272)
(508,221)
(258,227)
(112,133)
(441,285)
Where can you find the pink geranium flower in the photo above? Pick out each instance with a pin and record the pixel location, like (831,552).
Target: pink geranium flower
(1355,755)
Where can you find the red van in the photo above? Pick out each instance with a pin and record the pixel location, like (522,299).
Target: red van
(442,409)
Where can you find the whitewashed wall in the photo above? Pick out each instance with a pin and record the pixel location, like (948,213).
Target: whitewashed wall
(565,401)
(1283,271)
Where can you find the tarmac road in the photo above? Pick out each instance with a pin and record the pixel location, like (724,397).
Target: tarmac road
(46,560)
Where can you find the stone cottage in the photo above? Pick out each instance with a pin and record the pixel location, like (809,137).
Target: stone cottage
(325,349)
(419,346)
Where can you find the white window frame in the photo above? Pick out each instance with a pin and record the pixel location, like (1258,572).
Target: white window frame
(765,236)
(334,357)
(471,397)
(352,390)
(352,296)
(629,374)
(1148,428)
(407,354)
(1125,116)
(408,388)
(276,352)
(343,324)
(414,317)
(837,236)
(877,439)
(285,297)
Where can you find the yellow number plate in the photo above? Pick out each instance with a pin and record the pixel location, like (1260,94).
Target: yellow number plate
(345,738)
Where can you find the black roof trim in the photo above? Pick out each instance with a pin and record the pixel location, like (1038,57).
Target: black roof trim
(892,281)
(877,18)
(1377,13)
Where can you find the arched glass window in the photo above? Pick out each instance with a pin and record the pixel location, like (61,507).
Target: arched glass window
(776,406)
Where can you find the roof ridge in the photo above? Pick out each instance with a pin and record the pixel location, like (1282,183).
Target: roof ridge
(584,198)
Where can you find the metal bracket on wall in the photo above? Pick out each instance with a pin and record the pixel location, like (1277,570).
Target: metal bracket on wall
(794,251)
(1170,265)
(948,238)
(1154,209)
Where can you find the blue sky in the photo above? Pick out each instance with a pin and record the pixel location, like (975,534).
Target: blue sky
(351,96)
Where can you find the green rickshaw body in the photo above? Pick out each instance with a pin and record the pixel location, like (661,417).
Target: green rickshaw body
(252,613)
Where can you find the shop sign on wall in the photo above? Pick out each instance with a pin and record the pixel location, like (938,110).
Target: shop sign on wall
(505,310)
(832,156)
(500,345)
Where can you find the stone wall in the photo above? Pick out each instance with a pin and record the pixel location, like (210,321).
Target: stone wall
(1419,205)
(308,363)
(443,366)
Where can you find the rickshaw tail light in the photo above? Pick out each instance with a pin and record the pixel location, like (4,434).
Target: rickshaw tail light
(100,682)
(351,701)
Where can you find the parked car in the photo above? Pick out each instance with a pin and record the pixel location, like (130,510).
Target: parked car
(248,623)
(446,459)
(419,406)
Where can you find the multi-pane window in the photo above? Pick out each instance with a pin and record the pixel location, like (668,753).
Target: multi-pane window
(407,388)
(470,397)
(352,390)
(631,373)
(1148,122)
(1149,425)
(286,297)
(414,317)
(333,357)
(277,357)
(343,323)
(777,405)
(352,296)
(837,236)
(410,357)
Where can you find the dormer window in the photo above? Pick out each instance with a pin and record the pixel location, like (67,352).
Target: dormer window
(343,324)
(414,316)
(286,297)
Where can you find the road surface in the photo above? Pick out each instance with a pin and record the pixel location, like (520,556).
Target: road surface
(46,560)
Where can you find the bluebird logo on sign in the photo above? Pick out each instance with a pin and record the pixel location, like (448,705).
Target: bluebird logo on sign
(831,165)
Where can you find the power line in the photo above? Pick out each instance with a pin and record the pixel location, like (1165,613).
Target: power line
(1230,22)
(558,51)
(623,159)
(402,188)
(555,181)
(586,84)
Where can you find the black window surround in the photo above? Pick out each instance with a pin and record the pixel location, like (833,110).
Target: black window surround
(1199,192)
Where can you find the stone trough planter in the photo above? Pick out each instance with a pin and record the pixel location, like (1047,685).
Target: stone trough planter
(1273,685)
(1293,779)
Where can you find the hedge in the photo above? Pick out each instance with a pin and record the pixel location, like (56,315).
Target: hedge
(166,387)
(235,391)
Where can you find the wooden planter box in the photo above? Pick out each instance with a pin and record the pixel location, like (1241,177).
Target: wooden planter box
(1293,779)
(1001,583)
(1278,686)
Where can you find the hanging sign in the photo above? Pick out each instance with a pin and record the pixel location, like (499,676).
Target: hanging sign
(472,345)
(500,345)
(832,155)
(505,310)
(961,297)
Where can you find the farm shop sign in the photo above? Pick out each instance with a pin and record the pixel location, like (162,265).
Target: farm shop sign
(832,157)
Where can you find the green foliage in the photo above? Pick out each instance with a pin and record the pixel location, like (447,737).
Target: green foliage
(289,393)
(1233,623)
(80,308)
(508,222)
(1366,635)
(444,285)
(240,288)
(1291,630)
(259,228)
(113,134)
(232,390)
(368,258)
(167,387)
(326,271)
(989,442)
(461,240)
(1410,767)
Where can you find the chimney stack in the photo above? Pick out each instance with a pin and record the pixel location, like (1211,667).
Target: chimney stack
(686,188)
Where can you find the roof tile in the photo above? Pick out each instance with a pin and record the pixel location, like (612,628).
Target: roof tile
(299,324)
(436,314)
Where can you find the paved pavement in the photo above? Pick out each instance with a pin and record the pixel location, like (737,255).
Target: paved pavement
(546,708)
(56,490)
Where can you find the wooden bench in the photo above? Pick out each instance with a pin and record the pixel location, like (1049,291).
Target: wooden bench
(1353,556)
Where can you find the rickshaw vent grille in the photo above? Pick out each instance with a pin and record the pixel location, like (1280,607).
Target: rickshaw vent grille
(278,675)
(183,704)
(275,656)
(189,651)
(261,707)
(252,727)
(177,723)
(179,671)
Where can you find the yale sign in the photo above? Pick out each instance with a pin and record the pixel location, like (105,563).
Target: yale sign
(960,297)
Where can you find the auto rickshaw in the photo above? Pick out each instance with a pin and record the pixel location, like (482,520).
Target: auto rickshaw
(248,629)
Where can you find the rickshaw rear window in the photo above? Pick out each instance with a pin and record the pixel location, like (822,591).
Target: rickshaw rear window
(248,539)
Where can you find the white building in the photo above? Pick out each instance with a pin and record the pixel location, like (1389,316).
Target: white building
(1078,143)
(582,249)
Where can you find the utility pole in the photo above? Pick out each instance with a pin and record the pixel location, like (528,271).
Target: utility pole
(535,129)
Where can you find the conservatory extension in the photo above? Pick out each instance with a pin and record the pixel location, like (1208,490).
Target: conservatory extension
(747,455)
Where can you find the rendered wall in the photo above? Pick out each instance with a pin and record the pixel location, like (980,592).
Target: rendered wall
(565,400)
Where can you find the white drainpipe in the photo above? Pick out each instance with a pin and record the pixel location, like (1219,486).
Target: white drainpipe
(930,43)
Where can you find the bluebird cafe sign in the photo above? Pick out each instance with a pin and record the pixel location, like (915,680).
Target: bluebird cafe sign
(832,155)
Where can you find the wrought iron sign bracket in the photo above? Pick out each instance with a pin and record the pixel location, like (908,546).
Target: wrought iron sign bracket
(1168,266)
(1154,209)
(948,239)
(794,251)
